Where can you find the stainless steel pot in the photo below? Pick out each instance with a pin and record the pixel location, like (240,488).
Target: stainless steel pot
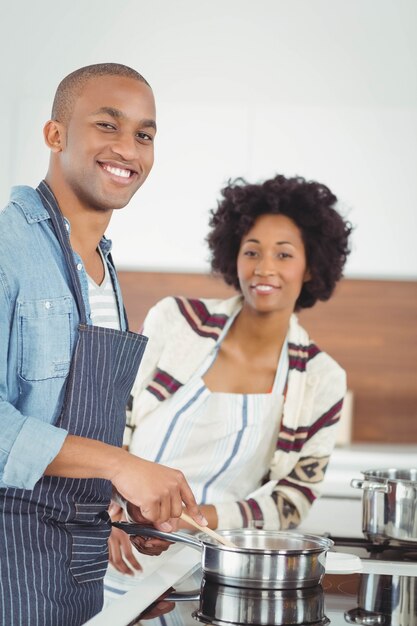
(220,604)
(385,600)
(389,505)
(263,559)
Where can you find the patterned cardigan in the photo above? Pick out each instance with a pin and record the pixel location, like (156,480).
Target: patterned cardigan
(181,334)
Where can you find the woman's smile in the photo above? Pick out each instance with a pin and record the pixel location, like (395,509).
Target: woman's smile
(271,264)
(264,289)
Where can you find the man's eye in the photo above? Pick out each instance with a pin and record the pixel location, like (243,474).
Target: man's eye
(106,126)
(144,137)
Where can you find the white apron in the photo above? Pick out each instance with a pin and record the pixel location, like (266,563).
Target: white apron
(222,442)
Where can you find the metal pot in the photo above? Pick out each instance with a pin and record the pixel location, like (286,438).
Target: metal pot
(385,600)
(389,505)
(263,559)
(220,604)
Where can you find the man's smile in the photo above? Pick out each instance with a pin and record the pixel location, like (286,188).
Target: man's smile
(118,173)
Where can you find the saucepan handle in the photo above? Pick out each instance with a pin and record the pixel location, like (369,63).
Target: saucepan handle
(369,485)
(183,596)
(150,531)
(364,618)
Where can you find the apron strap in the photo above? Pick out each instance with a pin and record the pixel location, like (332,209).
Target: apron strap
(51,205)
(110,259)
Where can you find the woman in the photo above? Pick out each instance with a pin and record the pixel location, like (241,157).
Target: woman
(234,392)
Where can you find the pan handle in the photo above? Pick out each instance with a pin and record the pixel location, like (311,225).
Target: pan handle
(364,618)
(150,531)
(183,596)
(368,485)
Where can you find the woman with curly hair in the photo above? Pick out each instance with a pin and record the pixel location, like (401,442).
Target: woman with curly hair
(234,392)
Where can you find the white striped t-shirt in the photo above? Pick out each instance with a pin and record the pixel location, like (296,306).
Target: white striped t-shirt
(103,303)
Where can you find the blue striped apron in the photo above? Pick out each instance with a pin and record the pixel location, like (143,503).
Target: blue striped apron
(53,539)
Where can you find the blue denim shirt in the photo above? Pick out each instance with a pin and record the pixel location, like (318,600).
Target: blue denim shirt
(38,331)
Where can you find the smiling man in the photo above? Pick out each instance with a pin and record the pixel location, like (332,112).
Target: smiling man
(66,365)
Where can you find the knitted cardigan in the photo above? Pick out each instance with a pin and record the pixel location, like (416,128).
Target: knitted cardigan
(182,332)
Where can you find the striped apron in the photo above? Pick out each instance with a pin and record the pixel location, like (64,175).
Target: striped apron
(53,539)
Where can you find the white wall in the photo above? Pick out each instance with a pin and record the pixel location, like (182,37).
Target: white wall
(322,88)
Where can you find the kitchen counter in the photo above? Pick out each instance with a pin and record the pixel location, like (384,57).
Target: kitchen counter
(338,511)
(168,568)
(348,462)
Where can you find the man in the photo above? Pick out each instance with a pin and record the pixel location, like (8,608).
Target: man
(66,369)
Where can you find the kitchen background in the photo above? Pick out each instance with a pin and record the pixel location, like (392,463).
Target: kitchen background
(322,88)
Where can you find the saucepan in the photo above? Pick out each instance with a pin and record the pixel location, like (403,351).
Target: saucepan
(389,505)
(263,559)
(385,600)
(220,604)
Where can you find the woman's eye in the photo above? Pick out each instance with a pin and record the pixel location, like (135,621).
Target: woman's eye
(250,253)
(284,255)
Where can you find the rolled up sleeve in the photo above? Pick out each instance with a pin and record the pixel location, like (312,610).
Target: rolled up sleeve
(28,446)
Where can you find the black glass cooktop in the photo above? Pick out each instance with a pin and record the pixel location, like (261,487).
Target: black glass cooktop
(367,550)
(368,599)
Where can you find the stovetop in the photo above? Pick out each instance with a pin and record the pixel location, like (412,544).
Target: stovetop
(380,559)
(341,599)
(383,594)
(367,550)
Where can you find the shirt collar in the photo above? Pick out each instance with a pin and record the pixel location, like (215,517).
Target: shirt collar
(33,209)
(29,201)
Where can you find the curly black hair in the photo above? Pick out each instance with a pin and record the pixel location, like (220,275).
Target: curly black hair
(311,207)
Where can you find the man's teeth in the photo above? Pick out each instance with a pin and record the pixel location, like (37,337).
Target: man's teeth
(117,171)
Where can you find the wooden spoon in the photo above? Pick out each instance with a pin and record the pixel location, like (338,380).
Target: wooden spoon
(208,531)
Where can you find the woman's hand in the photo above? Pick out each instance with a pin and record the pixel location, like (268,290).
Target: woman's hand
(158,608)
(120,548)
(120,551)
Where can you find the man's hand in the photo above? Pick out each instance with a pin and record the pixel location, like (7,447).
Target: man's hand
(159,492)
(120,543)
(209,512)
(147,545)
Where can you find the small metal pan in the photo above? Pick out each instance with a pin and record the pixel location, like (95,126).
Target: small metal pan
(264,559)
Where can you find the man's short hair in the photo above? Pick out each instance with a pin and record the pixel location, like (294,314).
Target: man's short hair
(71,86)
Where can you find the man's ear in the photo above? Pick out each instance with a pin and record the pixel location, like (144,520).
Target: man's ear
(54,135)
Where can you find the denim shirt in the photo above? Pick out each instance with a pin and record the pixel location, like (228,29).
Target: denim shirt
(38,331)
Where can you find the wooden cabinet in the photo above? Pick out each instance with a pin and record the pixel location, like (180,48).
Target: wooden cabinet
(368,326)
